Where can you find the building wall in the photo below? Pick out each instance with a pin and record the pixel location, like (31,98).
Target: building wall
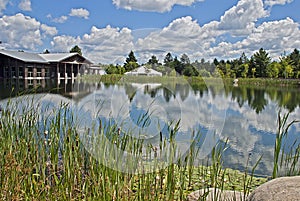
(15,69)
(11,68)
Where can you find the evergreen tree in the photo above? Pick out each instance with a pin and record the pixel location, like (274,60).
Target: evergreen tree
(168,59)
(153,61)
(131,57)
(177,65)
(46,51)
(295,62)
(261,61)
(131,62)
(76,49)
(216,62)
(185,59)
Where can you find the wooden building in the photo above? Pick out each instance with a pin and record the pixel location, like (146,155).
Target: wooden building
(25,65)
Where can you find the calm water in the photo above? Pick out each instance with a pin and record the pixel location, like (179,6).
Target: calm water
(246,116)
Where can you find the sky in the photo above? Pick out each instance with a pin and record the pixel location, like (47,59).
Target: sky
(107,30)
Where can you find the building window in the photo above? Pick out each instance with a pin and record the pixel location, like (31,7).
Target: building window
(39,72)
(6,72)
(13,72)
(47,72)
(30,71)
(21,72)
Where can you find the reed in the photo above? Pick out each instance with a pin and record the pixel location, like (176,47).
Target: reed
(43,157)
(287,160)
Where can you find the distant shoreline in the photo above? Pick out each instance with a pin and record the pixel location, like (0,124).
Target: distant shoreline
(114,78)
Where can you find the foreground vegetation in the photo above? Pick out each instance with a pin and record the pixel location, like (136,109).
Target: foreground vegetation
(43,158)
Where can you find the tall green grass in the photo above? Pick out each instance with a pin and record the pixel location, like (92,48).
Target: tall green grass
(287,161)
(42,157)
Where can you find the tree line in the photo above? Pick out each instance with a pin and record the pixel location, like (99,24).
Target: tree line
(259,65)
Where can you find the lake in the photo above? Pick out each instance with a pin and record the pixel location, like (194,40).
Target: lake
(245,116)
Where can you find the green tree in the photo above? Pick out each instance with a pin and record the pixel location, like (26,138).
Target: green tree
(46,51)
(76,49)
(190,70)
(185,59)
(295,57)
(261,61)
(153,61)
(112,69)
(217,73)
(243,59)
(295,62)
(273,69)
(204,66)
(172,73)
(242,66)
(177,65)
(221,68)
(131,57)
(236,70)
(228,70)
(168,59)
(252,68)
(131,62)
(130,66)
(253,72)
(204,73)
(286,67)
(244,70)
(216,62)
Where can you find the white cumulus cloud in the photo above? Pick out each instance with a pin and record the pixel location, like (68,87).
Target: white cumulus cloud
(49,30)
(23,32)
(3,4)
(183,35)
(60,19)
(152,5)
(105,45)
(102,43)
(25,5)
(240,19)
(238,30)
(64,43)
(80,12)
(277,2)
(274,36)
(75,12)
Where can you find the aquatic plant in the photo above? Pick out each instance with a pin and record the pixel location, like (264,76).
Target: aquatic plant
(42,157)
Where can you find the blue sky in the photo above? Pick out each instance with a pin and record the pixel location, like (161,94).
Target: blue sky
(107,30)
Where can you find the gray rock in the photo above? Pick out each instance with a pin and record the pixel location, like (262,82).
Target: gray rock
(214,194)
(284,188)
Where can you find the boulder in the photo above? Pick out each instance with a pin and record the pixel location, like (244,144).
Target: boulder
(213,194)
(284,188)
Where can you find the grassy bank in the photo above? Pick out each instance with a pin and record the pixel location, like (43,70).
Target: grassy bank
(263,82)
(42,157)
(267,82)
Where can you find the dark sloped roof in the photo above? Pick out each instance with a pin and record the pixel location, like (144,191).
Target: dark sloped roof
(24,56)
(39,58)
(56,57)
